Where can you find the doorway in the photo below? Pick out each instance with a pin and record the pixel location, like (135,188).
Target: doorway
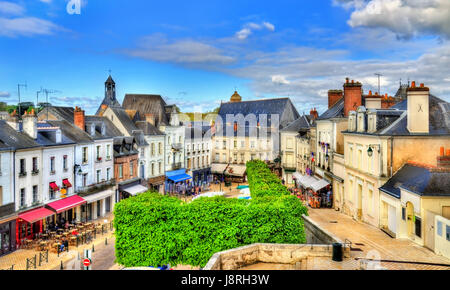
(360,201)
(410,219)
(429,230)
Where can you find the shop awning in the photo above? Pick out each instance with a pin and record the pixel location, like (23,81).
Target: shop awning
(319,185)
(136,189)
(66,203)
(179,177)
(306,181)
(218,168)
(98,196)
(297,176)
(54,186)
(36,215)
(236,170)
(67,183)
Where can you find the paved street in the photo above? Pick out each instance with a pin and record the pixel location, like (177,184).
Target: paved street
(368,238)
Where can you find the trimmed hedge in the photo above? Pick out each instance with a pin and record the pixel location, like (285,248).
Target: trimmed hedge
(262,181)
(152,229)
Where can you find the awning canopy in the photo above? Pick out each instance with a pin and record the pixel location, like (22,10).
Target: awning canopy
(180,177)
(36,215)
(236,170)
(136,189)
(319,185)
(98,196)
(66,203)
(54,186)
(306,181)
(218,168)
(67,183)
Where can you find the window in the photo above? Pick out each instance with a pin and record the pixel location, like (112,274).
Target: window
(85,179)
(120,170)
(131,169)
(65,162)
(153,149)
(224,144)
(169,140)
(99,173)
(108,149)
(242,157)
(153,169)
(235,157)
(22,197)
(160,148)
(207,160)
(179,140)
(224,157)
(189,163)
(350,155)
(52,165)
(242,144)
(418,224)
(448,233)
(35,194)
(108,173)
(98,152)
(159,167)
(235,144)
(403,213)
(370,201)
(359,158)
(143,152)
(85,155)
(439,228)
(22,167)
(35,165)
(217,157)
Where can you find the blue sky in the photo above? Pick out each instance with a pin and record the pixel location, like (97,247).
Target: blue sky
(195,53)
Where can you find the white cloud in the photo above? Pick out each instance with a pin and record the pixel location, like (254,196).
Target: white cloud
(9,8)
(26,26)
(249,27)
(280,80)
(184,51)
(406,18)
(4,95)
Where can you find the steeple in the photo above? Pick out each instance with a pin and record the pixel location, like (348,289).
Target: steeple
(110,96)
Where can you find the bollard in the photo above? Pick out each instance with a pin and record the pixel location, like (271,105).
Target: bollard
(106,241)
(93,250)
(62,267)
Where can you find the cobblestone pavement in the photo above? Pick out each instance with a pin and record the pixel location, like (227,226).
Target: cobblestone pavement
(372,242)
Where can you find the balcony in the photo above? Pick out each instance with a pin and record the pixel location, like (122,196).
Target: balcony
(289,166)
(176,166)
(35,172)
(22,174)
(177,146)
(94,188)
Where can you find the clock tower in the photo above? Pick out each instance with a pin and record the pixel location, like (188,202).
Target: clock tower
(418,109)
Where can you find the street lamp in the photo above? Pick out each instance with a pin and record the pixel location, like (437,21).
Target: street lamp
(370,152)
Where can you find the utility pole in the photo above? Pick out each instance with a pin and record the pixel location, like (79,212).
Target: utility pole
(379,87)
(18,93)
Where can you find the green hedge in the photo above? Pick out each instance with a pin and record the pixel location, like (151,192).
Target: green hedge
(153,230)
(262,181)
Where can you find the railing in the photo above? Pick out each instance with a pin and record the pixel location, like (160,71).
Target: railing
(94,188)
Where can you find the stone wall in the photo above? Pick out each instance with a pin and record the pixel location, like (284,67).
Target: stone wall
(317,235)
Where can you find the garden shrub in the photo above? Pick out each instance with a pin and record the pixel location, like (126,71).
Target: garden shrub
(152,229)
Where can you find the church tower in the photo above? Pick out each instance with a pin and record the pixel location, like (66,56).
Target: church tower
(110,96)
(235,98)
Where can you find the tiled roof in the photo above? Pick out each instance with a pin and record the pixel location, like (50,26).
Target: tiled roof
(10,138)
(125,120)
(72,131)
(62,113)
(302,123)
(147,104)
(148,129)
(424,181)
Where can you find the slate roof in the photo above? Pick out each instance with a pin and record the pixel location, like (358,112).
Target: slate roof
(139,137)
(10,138)
(148,129)
(46,137)
(62,113)
(111,131)
(72,131)
(439,119)
(147,104)
(336,111)
(301,124)
(267,107)
(124,118)
(420,180)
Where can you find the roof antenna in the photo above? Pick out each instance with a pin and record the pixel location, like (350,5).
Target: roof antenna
(379,87)
(18,92)
(46,92)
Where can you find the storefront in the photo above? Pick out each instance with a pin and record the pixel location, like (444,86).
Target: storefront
(97,205)
(229,172)
(66,209)
(178,182)
(127,190)
(201,176)
(157,183)
(316,192)
(31,223)
(7,229)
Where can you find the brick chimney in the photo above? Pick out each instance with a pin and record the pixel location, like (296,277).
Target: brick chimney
(333,97)
(78,118)
(443,160)
(13,121)
(313,114)
(29,123)
(418,109)
(352,96)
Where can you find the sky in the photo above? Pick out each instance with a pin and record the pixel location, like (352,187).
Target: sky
(196,53)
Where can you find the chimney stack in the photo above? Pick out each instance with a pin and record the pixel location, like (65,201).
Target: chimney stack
(13,121)
(333,97)
(29,123)
(78,118)
(418,109)
(352,96)
(443,161)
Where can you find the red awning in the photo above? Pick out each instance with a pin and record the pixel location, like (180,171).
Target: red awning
(36,215)
(54,186)
(66,182)
(66,203)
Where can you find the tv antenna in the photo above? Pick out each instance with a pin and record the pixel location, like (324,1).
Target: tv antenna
(18,93)
(37,97)
(47,92)
(379,76)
